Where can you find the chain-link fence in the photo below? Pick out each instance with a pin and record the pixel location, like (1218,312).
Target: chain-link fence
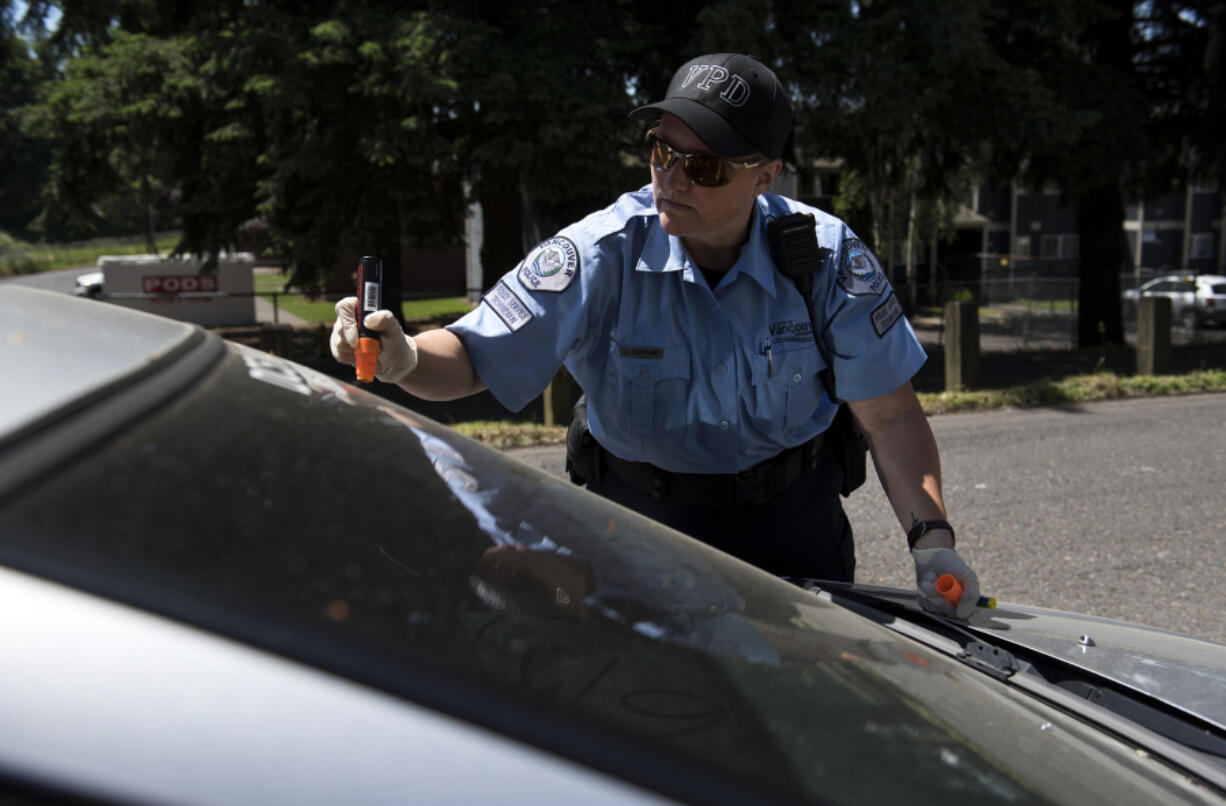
(1030,304)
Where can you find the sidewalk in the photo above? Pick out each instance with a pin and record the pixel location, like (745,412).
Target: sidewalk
(264,312)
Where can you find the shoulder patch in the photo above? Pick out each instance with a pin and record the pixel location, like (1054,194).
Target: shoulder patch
(886,314)
(550,266)
(510,308)
(859,272)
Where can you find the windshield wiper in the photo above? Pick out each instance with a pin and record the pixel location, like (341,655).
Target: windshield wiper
(971,648)
(1136,716)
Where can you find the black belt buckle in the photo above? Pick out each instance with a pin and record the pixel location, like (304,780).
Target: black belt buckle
(751,485)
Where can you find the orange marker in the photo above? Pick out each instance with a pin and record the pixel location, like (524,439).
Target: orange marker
(951,591)
(370,299)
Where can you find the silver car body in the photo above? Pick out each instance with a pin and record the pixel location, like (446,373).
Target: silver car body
(1195,299)
(230,664)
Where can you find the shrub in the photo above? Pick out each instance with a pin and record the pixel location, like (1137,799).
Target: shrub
(14,257)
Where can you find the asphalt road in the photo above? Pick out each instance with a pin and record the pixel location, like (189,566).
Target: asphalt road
(1110,509)
(63,280)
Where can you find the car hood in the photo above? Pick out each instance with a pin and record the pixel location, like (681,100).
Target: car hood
(1184,672)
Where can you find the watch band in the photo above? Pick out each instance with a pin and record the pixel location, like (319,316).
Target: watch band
(920,528)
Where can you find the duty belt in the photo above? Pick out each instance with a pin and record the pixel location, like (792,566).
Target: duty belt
(756,485)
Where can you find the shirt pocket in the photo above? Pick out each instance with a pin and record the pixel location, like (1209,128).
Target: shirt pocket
(649,386)
(787,386)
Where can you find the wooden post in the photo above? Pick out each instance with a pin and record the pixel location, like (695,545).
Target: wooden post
(961,346)
(559,398)
(1154,336)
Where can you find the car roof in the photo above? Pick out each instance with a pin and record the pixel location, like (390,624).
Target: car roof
(1186,277)
(77,370)
(61,349)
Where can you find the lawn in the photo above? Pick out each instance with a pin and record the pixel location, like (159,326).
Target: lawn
(323,310)
(47,257)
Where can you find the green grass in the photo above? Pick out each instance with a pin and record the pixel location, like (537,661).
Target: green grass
(505,434)
(1075,389)
(317,311)
(47,257)
(269,283)
(323,310)
(435,308)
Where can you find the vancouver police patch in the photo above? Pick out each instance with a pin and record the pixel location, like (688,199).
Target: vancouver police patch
(550,266)
(859,272)
(886,314)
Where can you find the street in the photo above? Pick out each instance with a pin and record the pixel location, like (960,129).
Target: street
(1110,509)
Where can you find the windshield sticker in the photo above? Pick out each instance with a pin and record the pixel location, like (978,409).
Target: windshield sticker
(550,266)
(887,314)
(510,308)
(859,273)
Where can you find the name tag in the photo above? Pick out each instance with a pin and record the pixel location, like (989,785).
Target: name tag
(641,352)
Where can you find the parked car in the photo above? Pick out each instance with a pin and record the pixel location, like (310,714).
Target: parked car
(1195,299)
(227,578)
(89,285)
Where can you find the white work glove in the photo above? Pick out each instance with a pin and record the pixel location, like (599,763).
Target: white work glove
(397,351)
(930,564)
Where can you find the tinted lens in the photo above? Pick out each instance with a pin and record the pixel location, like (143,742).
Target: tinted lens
(702,169)
(705,169)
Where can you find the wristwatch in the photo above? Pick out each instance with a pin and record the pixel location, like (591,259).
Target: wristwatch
(921,528)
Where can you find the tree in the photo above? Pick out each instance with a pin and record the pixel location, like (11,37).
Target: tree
(358,126)
(1133,74)
(918,101)
(113,119)
(22,157)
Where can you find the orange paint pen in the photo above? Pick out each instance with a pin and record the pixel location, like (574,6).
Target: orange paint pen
(370,299)
(951,591)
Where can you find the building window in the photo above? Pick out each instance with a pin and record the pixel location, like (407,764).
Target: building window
(1058,246)
(1023,246)
(1149,236)
(1201,247)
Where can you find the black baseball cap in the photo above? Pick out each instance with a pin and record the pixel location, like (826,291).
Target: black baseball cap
(734,103)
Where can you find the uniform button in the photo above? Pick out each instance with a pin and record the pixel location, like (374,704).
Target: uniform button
(797,378)
(724,425)
(642,374)
(720,368)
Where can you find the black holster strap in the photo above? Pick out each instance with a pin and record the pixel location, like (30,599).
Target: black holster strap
(756,485)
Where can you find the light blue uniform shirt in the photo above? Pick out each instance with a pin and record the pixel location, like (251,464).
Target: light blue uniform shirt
(689,378)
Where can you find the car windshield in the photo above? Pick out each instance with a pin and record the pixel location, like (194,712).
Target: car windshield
(295,513)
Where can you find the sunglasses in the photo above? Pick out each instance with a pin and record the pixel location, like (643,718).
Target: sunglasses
(706,170)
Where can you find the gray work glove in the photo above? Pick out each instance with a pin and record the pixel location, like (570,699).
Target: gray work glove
(930,564)
(397,351)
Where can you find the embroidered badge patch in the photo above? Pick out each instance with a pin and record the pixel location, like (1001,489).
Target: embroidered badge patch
(859,272)
(886,314)
(510,308)
(550,266)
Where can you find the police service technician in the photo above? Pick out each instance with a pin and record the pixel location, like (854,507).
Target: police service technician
(696,355)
